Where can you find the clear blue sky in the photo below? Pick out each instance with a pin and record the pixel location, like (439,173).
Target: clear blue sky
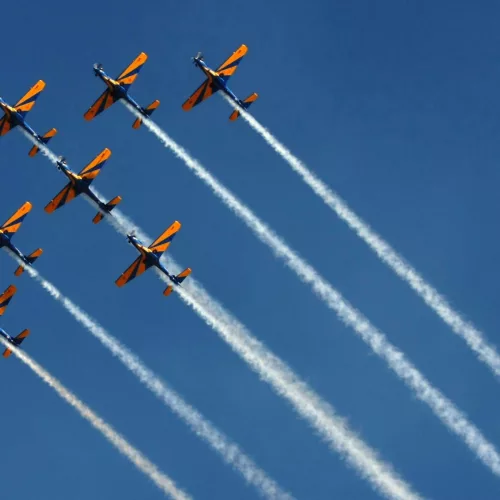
(395,106)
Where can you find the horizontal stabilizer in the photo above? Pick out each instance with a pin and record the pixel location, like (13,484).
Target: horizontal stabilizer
(168,290)
(182,276)
(147,111)
(107,208)
(31,259)
(17,341)
(245,104)
(45,139)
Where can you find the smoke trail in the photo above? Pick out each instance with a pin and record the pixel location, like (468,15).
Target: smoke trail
(230,452)
(442,407)
(320,415)
(119,442)
(472,336)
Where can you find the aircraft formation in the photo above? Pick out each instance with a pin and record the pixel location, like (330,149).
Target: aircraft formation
(117,89)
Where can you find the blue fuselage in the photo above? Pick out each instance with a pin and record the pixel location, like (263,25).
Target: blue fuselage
(5,242)
(117,90)
(82,186)
(16,119)
(217,81)
(152,258)
(5,335)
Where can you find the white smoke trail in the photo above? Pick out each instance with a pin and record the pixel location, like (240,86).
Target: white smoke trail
(320,415)
(442,407)
(437,302)
(161,480)
(230,452)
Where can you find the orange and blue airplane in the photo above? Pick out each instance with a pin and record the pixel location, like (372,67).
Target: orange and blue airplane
(80,183)
(150,256)
(5,298)
(9,228)
(118,89)
(15,115)
(217,80)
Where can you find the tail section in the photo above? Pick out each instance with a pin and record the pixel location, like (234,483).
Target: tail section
(177,280)
(245,104)
(45,139)
(182,276)
(147,111)
(32,257)
(107,208)
(17,342)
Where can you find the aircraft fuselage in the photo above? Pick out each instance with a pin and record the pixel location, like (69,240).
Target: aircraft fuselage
(217,81)
(152,258)
(6,336)
(82,186)
(5,242)
(117,90)
(16,119)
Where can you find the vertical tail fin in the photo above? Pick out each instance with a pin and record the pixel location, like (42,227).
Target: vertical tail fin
(31,258)
(107,208)
(45,139)
(147,111)
(245,104)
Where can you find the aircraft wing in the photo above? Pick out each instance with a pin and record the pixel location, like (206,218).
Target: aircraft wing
(6,297)
(12,225)
(135,269)
(163,241)
(105,100)
(230,65)
(64,196)
(92,170)
(204,91)
(127,77)
(5,125)
(26,103)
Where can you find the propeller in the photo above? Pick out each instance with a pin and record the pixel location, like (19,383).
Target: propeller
(198,57)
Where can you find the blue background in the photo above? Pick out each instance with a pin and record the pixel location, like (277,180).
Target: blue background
(394,105)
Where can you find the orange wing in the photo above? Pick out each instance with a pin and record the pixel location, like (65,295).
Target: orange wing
(92,170)
(129,74)
(230,65)
(13,224)
(106,99)
(26,103)
(135,269)
(5,125)
(6,297)
(204,91)
(64,196)
(163,241)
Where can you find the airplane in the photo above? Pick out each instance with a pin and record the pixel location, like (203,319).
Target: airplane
(9,228)
(118,89)
(217,80)
(150,256)
(15,115)
(80,183)
(5,298)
